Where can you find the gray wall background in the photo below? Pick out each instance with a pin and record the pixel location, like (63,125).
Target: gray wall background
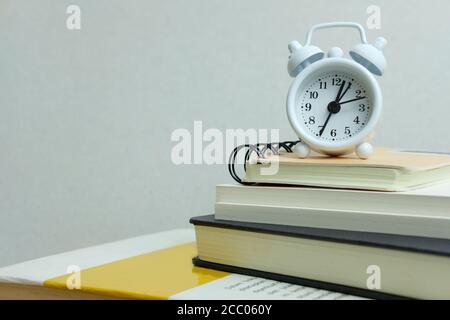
(86,116)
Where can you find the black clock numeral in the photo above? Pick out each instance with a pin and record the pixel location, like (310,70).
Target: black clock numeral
(322,85)
(347,131)
(358,94)
(308,106)
(336,81)
(312,120)
(333,133)
(362,107)
(313,95)
(356,120)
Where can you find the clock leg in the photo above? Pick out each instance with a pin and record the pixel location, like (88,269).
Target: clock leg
(301,150)
(364,150)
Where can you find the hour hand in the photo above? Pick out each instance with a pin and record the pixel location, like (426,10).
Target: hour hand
(343,94)
(338,97)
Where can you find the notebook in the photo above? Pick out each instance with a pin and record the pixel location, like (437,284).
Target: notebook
(386,170)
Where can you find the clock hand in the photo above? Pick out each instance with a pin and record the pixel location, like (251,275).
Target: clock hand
(340,91)
(348,101)
(325,124)
(348,87)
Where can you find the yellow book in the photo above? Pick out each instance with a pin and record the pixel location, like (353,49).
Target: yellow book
(156,266)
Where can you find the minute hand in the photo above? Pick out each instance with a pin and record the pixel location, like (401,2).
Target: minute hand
(338,97)
(348,101)
(345,91)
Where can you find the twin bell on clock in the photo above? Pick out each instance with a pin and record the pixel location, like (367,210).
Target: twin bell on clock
(334,103)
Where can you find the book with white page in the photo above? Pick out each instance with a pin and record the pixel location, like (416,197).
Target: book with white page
(421,212)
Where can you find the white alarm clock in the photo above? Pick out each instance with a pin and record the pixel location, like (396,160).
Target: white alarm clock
(334,103)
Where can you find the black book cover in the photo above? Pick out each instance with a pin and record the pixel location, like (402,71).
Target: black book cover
(389,241)
(434,246)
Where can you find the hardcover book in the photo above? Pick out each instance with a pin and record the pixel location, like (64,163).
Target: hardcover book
(345,261)
(421,212)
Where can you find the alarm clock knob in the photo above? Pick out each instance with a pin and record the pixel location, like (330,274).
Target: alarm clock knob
(335,52)
(294,46)
(380,43)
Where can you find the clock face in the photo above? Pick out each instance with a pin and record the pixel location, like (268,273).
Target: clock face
(333,106)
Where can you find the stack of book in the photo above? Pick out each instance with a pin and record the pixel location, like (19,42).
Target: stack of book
(378,228)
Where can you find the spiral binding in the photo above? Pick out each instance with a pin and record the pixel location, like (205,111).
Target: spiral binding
(260,149)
